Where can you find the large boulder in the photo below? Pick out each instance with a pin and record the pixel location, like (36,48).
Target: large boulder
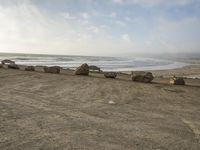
(7,61)
(29,68)
(82,70)
(110,74)
(13,66)
(94,68)
(142,76)
(53,69)
(177,81)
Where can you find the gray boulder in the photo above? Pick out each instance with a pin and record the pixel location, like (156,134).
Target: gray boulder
(30,68)
(82,70)
(13,66)
(94,68)
(110,74)
(53,69)
(177,81)
(142,76)
(7,61)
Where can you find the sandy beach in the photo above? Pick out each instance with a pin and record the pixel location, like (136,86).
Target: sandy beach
(99,74)
(42,111)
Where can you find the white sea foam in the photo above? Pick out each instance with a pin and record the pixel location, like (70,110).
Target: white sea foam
(105,63)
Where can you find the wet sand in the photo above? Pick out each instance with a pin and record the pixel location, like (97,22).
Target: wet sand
(42,111)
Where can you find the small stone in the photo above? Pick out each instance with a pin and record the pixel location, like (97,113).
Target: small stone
(111,102)
(7,61)
(30,68)
(13,66)
(177,81)
(94,68)
(110,75)
(53,69)
(142,76)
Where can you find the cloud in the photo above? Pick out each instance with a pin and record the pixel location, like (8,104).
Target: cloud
(155,2)
(118,1)
(113,14)
(126,37)
(120,23)
(85,15)
(179,35)
(25,27)
(172,36)
(28,27)
(67,16)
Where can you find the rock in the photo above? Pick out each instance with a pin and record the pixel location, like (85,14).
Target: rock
(40,66)
(13,66)
(54,69)
(142,76)
(30,68)
(7,61)
(111,102)
(177,81)
(94,68)
(110,74)
(82,70)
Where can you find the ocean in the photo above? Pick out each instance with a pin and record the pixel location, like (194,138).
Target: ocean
(105,63)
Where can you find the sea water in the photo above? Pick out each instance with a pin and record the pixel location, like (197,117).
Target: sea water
(105,63)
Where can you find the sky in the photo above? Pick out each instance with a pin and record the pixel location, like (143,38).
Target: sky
(99,27)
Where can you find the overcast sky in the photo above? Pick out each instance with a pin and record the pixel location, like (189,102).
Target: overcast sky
(99,27)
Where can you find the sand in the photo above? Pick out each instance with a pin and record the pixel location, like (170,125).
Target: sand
(41,111)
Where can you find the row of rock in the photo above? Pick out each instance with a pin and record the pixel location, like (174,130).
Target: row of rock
(84,69)
(139,76)
(11,64)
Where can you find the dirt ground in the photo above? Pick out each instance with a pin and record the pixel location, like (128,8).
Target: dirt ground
(40,111)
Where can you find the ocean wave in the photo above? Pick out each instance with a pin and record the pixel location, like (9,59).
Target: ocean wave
(22,58)
(105,63)
(64,59)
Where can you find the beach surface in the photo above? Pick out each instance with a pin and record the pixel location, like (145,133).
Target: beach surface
(42,111)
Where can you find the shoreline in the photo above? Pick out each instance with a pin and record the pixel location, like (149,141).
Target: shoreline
(154,68)
(117,64)
(188,71)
